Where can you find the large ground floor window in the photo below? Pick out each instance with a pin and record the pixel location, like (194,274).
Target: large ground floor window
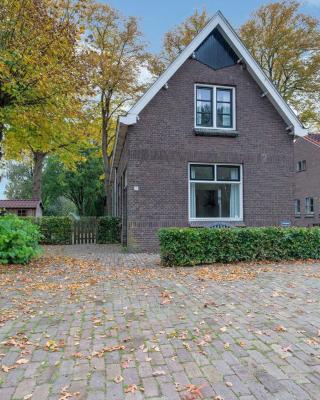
(215,192)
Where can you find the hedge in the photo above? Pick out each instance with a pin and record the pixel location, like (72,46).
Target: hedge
(192,246)
(19,240)
(55,230)
(109,230)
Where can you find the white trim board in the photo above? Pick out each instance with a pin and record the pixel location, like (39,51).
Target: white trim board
(218,20)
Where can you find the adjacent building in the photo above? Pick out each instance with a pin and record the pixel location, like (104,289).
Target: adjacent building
(209,144)
(307,180)
(22,208)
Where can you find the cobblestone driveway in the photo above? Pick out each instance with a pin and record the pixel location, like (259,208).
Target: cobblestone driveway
(121,327)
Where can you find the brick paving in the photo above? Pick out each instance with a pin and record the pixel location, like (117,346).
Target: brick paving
(113,325)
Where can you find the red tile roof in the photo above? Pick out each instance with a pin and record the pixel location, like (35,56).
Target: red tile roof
(313,138)
(19,203)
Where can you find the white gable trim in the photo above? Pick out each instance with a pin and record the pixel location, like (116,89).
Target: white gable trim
(253,67)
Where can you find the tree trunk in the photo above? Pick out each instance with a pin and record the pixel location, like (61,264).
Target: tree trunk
(38,159)
(106,160)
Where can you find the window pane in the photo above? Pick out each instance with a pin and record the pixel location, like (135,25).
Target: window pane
(204,94)
(204,107)
(204,119)
(211,200)
(224,95)
(223,108)
(228,173)
(202,172)
(223,121)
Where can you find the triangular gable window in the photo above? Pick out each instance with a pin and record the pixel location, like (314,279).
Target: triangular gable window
(215,52)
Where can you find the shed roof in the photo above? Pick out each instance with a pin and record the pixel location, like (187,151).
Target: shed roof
(20,203)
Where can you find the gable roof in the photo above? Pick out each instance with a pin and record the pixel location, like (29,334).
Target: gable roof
(217,21)
(20,203)
(313,138)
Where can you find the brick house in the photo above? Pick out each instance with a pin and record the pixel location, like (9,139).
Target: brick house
(210,143)
(22,208)
(307,180)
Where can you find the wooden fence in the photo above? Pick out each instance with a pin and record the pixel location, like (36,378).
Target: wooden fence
(85,230)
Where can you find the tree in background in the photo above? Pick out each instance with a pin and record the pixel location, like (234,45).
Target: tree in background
(19,177)
(38,53)
(47,129)
(176,40)
(286,43)
(78,190)
(115,54)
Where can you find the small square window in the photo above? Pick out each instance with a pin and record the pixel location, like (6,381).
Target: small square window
(202,172)
(228,173)
(22,212)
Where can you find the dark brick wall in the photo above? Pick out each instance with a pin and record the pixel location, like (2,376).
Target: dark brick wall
(162,143)
(307,183)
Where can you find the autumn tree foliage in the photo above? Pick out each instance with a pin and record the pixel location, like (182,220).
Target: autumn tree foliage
(38,52)
(286,43)
(34,133)
(115,53)
(176,40)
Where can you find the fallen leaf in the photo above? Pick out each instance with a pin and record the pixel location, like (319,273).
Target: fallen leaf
(27,396)
(195,390)
(118,379)
(5,368)
(22,361)
(158,373)
(131,389)
(280,328)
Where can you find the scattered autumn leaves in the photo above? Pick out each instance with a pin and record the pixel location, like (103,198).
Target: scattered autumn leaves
(31,289)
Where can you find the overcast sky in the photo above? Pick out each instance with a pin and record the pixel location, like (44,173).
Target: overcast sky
(157,17)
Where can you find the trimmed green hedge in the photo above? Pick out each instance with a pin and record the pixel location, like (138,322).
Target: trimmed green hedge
(19,240)
(109,230)
(192,246)
(55,230)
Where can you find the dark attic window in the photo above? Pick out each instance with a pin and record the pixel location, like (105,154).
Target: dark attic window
(215,52)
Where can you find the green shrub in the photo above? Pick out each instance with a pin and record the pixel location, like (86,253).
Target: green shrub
(109,230)
(192,246)
(19,240)
(55,230)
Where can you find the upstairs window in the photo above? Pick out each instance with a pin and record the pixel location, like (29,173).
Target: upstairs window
(301,165)
(215,107)
(309,206)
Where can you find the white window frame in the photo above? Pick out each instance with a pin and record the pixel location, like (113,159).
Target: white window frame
(296,212)
(308,204)
(240,183)
(214,107)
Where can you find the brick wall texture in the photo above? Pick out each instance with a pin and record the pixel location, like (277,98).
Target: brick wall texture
(160,146)
(307,183)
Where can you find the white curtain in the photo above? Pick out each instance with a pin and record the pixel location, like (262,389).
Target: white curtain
(192,200)
(234,196)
